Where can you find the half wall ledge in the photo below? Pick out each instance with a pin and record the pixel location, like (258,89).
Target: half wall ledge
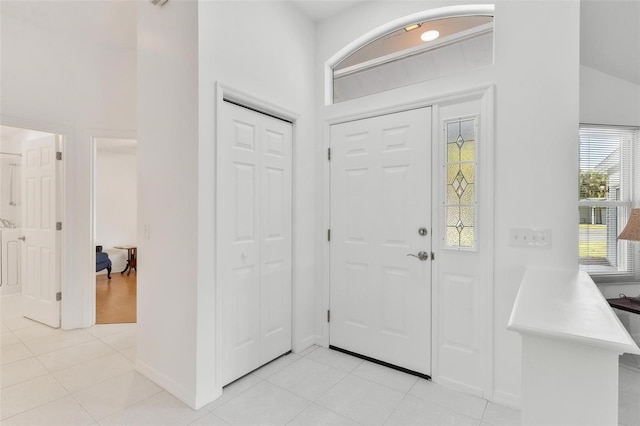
(571,341)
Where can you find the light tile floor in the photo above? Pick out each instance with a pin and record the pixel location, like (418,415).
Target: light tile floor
(87,377)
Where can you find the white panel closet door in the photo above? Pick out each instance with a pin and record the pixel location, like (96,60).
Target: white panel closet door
(40,265)
(254,239)
(275,238)
(380,198)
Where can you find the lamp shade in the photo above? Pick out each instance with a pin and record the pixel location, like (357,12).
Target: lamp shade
(631,232)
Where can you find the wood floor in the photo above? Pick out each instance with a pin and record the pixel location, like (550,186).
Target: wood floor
(116,298)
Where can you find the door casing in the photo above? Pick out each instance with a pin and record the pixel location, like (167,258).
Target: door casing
(93,138)
(343,112)
(242,98)
(65,135)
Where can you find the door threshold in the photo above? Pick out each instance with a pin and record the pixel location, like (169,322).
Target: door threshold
(377,361)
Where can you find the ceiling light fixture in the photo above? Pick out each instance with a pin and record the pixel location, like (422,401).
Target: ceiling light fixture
(412,27)
(430,35)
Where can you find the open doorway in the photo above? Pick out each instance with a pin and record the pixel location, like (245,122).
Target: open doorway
(30,224)
(115,230)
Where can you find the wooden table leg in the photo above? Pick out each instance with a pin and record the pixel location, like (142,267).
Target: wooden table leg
(130,262)
(133,255)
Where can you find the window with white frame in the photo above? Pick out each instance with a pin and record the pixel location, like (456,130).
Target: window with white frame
(607,180)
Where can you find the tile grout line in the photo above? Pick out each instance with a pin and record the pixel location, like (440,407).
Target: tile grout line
(93,384)
(279,370)
(382,384)
(260,380)
(351,373)
(32,378)
(112,347)
(54,332)
(21,359)
(98,420)
(395,408)
(25,343)
(311,402)
(36,407)
(44,375)
(484,410)
(328,390)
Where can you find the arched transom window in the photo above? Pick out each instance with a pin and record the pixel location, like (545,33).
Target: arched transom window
(416,52)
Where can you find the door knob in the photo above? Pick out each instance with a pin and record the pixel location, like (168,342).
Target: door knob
(423,255)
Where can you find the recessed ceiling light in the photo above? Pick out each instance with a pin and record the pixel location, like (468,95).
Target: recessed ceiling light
(430,35)
(412,27)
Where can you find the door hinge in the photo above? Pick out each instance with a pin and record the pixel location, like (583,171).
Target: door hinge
(328,234)
(329,154)
(58,296)
(58,226)
(58,155)
(328,315)
(433,256)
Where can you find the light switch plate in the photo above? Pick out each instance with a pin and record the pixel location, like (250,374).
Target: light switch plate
(530,237)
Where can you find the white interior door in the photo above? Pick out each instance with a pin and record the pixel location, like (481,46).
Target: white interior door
(380,198)
(40,265)
(254,239)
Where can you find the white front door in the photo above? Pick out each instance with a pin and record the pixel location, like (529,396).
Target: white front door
(40,265)
(380,199)
(254,203)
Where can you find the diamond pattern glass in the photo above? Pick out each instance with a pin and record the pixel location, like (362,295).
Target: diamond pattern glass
(461,173)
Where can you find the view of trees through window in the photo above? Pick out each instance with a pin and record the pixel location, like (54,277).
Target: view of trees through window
(605,198)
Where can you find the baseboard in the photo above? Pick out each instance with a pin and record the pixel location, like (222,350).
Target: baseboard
(304,343)
(459,386)
(167,384)
(201,402)
(507,399)
(115,267)
(321,341)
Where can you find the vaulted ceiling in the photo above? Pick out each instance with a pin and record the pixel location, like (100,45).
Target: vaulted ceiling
(610,37)
(610,29)
(317,10)
(109,23)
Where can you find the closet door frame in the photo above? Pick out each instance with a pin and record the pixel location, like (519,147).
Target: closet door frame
(238,97)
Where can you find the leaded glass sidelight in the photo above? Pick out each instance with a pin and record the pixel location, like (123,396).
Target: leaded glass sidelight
(460,202)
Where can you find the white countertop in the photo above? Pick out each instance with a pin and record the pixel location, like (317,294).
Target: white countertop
(566,304)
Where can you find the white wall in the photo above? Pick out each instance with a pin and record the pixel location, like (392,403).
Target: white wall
(168,195)
(7,211)
(71,86)
(274,63)
(13,144)
(185,48)
(605,99)
(536,78)
(116,176)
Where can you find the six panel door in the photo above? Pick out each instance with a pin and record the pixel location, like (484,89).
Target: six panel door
(380,198)
(254,239)
(40,270)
